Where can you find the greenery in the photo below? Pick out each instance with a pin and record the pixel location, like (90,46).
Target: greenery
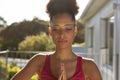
(12,69)
(41,42)
(3,70)
(3,21)
(16,32)
(28,36)
(34,77)
(81,33)
(12,36)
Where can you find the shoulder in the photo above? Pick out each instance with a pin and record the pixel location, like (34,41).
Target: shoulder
(36,61)
(88,61)
(90,68)
(38,58)
(89,64)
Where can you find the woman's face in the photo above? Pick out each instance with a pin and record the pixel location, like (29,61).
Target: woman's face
(63,30)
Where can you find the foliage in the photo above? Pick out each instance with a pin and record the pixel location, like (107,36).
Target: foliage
(34,77)
(0,43)
(16,32)
(41,42)
(2,63)
(12,70)
(9,44)
(81,32)
(2,20)
(3,70)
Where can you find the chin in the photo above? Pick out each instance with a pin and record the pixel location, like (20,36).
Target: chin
(62,47)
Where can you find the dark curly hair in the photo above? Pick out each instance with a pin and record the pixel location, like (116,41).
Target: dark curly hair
(55,7)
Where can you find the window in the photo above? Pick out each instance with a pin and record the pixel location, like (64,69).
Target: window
(110,36)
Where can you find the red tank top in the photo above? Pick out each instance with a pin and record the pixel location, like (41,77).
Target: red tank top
(47,75)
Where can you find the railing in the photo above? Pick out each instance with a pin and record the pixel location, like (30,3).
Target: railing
(9,59)
(20,58)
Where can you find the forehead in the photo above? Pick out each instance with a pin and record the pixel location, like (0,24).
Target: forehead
(62,19)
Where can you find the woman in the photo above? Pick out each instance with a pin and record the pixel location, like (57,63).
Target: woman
(63,64)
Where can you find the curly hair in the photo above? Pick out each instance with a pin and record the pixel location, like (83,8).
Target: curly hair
(55,7)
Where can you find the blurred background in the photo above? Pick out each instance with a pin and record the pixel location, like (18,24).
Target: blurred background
(23,33)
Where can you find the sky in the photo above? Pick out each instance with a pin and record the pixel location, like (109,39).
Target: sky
(19,10)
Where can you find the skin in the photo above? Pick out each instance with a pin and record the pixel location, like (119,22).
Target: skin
(63,61)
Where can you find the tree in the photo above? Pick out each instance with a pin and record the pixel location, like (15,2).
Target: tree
(3,69)
(16,32)
(41,42)
(3,21)
(81,33)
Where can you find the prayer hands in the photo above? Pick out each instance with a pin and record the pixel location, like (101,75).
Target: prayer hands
(63,73)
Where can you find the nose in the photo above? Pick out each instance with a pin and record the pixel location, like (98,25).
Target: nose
(61,33)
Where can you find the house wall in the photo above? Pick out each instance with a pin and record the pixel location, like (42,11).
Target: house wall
(116,55)
(98,48)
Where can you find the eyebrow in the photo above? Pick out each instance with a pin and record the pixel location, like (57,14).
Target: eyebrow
(63,24)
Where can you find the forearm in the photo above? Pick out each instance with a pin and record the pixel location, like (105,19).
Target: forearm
(21,76)
(24,74)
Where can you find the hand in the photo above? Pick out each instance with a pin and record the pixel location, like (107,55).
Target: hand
(63,73)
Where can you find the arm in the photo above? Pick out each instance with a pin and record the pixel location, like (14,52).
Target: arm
(30,69)
(92,71)
(96,73)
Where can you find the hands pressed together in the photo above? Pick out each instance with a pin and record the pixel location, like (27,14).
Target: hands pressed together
(63,73)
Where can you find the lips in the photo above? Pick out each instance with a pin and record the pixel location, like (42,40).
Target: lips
(62,41)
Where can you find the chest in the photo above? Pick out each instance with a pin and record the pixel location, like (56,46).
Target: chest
(70,68)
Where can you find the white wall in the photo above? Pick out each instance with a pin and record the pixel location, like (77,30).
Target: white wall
(106,12)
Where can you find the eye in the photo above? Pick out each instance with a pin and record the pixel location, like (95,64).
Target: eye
(68,29)
(55,30)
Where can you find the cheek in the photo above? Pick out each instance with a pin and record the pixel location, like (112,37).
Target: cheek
(72,39)
(71,36)
(54,37)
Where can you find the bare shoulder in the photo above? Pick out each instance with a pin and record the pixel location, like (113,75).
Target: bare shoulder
(91,69)
(88,61)
(33,66)
(89,65)
(35,63)
(37,59)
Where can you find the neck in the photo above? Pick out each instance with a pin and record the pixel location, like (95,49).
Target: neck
(64,54)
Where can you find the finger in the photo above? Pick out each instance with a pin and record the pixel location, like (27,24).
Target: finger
(62,66)
(61,76)
(64,75)
(63,72)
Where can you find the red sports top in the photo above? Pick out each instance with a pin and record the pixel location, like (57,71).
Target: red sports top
(47,75)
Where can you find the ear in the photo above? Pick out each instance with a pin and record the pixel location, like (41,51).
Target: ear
(49,30)
(76,30)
